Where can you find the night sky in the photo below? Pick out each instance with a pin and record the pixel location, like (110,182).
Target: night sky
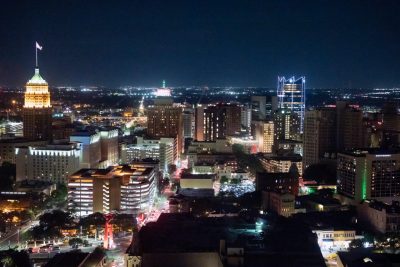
(216,43)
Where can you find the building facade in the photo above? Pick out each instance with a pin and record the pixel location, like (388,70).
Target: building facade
(37,110)
(319,135)
(124,188)
(221,120)
(369,174)
(291,95)
(49,162)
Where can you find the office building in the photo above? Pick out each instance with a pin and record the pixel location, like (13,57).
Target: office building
(48,162)
(10,129)
(380,217)
(349,126)
(277,164)
(221,120)
(157,149)
(8,146)
(37,111)
(91,148)
(109,146)
(188,123)
(124,188)
(291,96)
(287,125)
(319,135)
(390,117)
(368,174)
(265,136)
(165,120)
(258,107)
(246,115)
(199,123)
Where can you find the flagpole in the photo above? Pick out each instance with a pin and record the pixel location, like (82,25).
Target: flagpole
(36,55)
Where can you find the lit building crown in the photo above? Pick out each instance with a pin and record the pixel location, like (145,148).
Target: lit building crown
(37,93)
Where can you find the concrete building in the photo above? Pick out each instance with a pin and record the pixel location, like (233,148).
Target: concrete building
(349,126)
(265,136)
(258,107)
(369,174)
(281,203)
(319,135)
(199,123)
(197,181)
(188,123)
(48,162)
(276,164)
(246,117)
(278,182)
(379,216)
(109,146)
(221,120)
(11,129)
(164,119)
(124,188)
(91,148)
(157,149)
(37,111)
(7,147)
(287,125)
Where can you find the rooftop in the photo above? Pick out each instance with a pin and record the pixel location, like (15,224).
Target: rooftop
(37,79)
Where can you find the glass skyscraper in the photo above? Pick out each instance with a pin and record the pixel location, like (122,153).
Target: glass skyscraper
(291,96)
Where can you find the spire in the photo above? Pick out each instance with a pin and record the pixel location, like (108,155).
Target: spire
(163,84)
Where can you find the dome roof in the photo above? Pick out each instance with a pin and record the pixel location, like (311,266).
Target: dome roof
(37,79)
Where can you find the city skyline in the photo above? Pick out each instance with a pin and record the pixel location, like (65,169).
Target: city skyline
(334,44)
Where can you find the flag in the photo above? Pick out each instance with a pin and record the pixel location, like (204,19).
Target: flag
(38,46)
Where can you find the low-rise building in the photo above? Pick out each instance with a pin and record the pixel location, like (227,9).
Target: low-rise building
(287,182)
(273,163)
(379,216)
(281,203)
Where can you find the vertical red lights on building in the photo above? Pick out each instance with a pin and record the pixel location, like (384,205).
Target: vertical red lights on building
(108,232)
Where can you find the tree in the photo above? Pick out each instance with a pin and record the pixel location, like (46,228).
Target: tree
(7,176)
(95,219)
(224,180)
(171,169)
(356,243)
(235,181)
(75,241)
(125,222)
(7,261)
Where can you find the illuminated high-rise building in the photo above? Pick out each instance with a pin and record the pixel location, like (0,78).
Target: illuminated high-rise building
(265,136)
(319,134)
(221,120)
(37,111)
(368,174)
(291,95)
(199,123)
(287,125)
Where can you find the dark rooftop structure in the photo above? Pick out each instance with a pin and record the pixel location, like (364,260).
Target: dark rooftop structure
(368,259)
(285,243)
